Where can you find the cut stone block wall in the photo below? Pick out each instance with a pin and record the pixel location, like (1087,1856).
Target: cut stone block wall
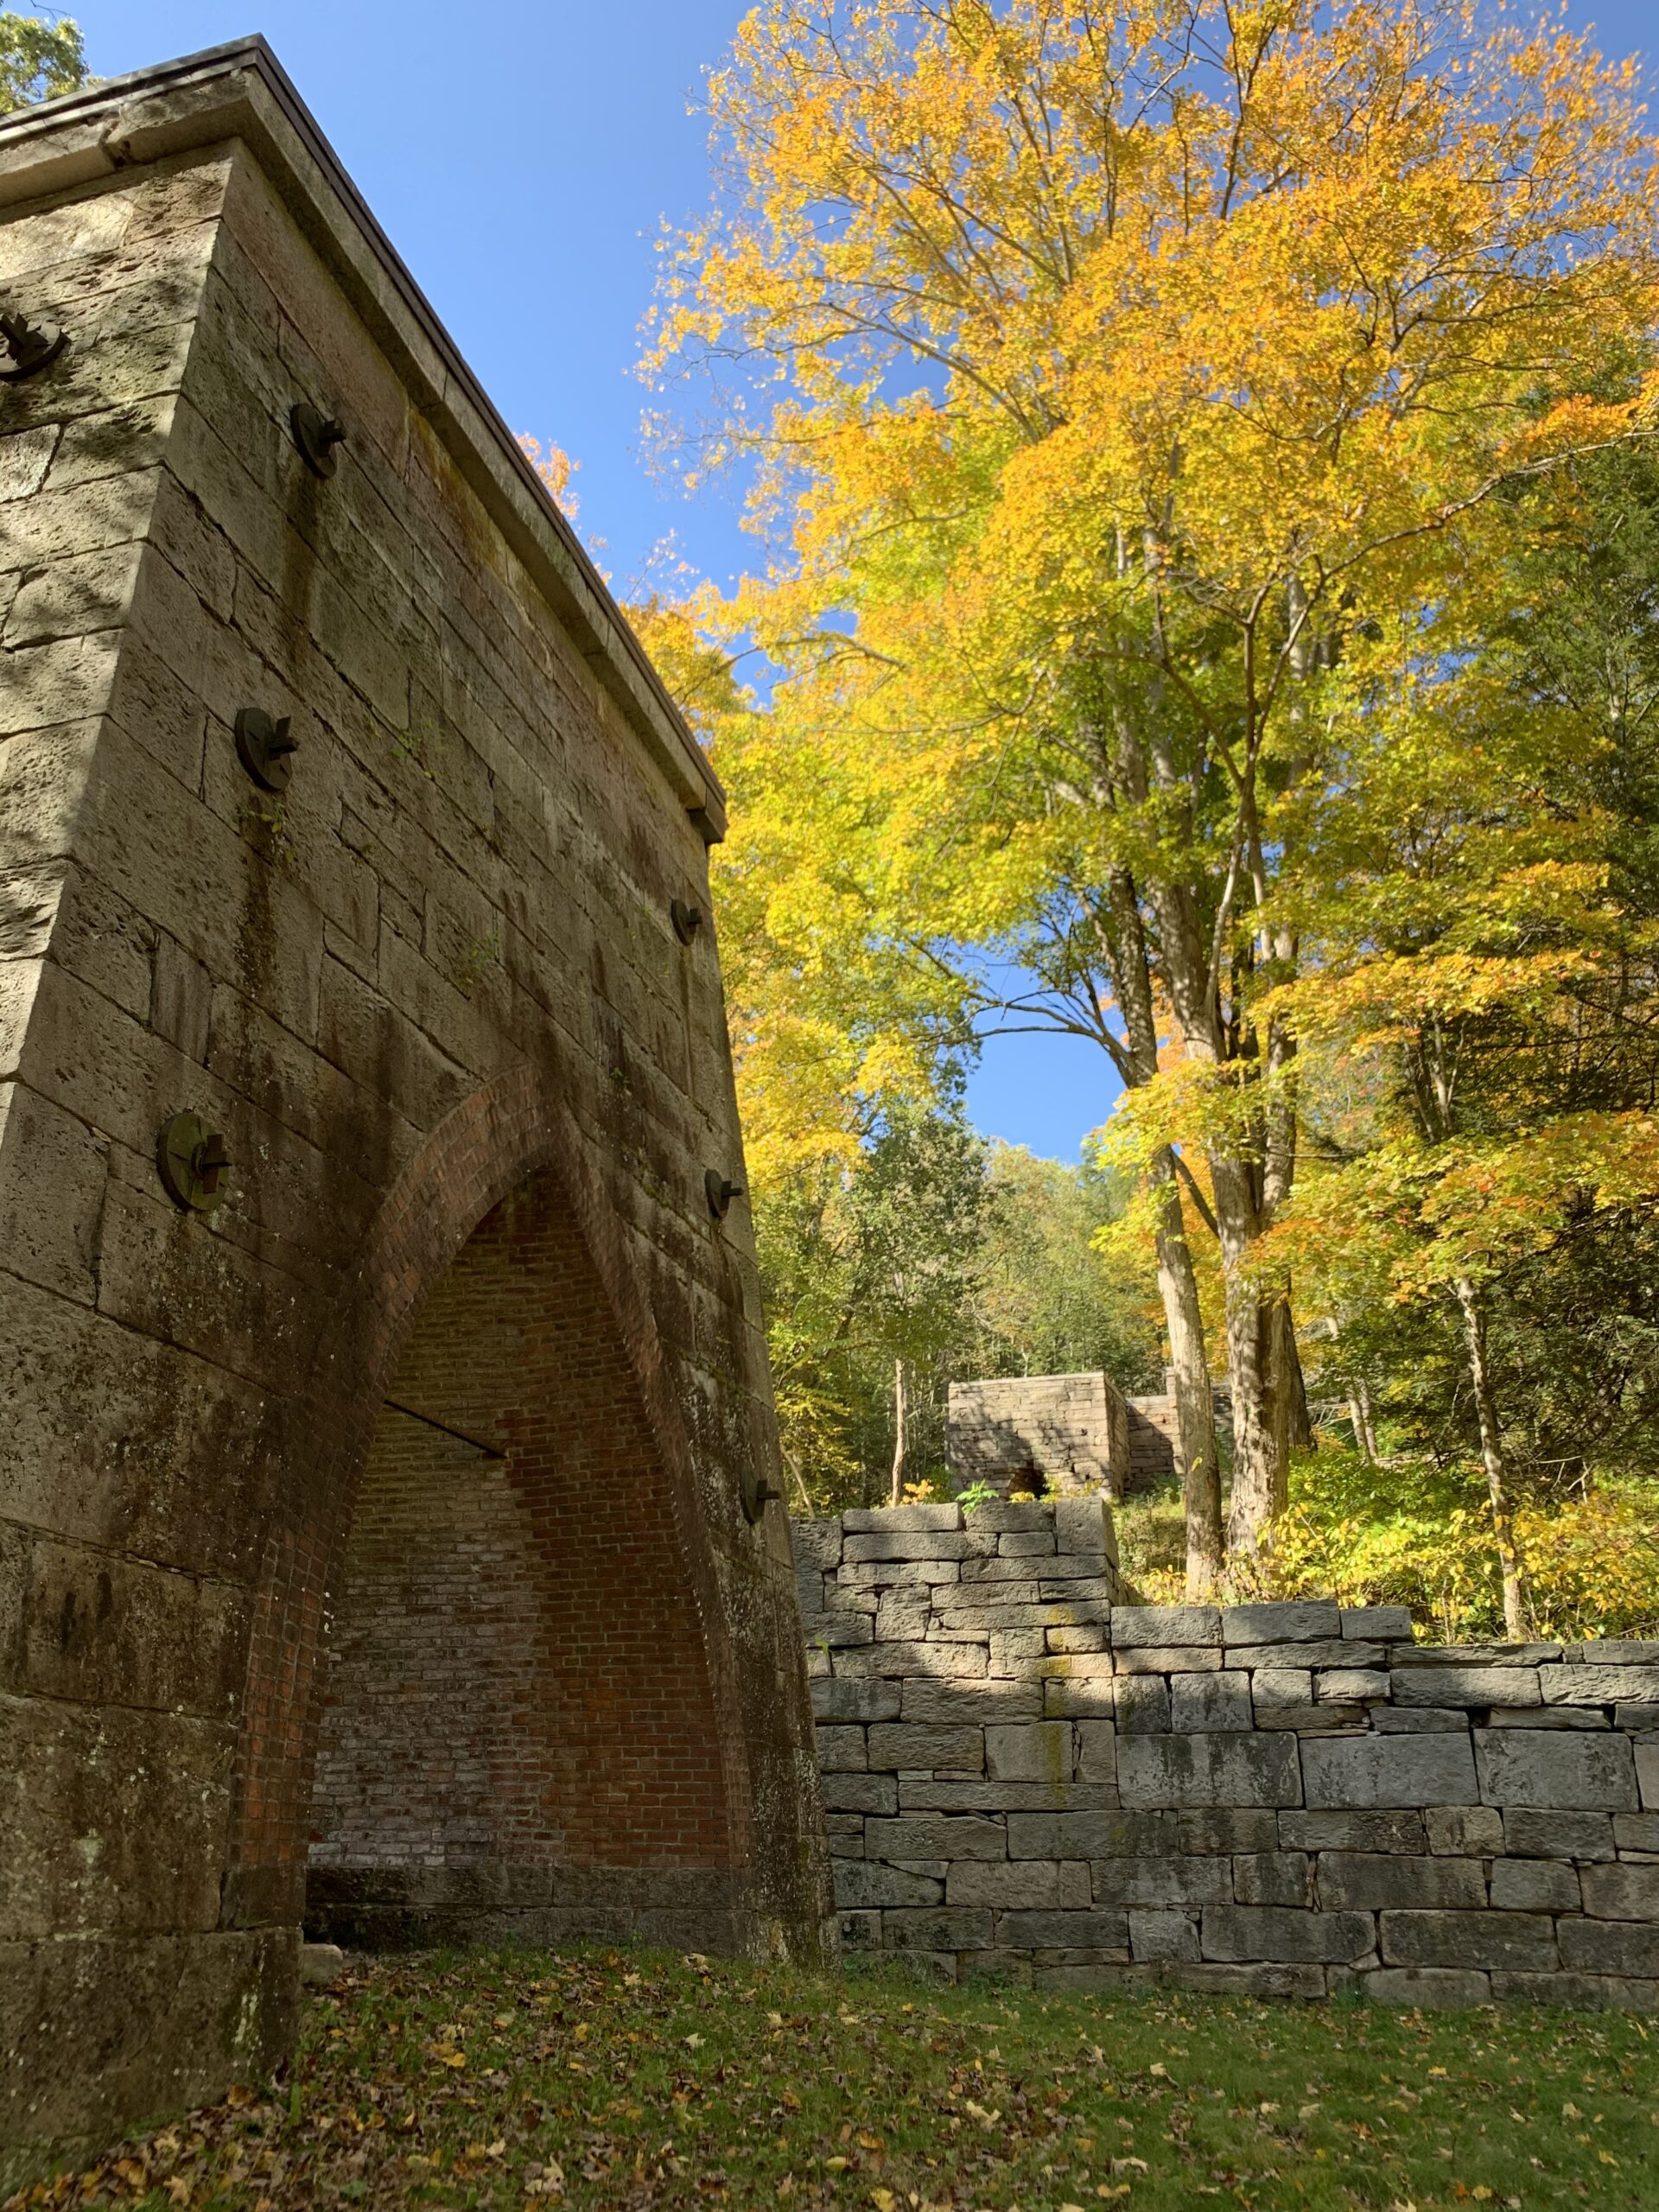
(1025,1776)
(1072,1429)
(430,991)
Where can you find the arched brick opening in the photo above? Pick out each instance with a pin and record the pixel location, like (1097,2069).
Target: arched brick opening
(518,1730)
(625,1765)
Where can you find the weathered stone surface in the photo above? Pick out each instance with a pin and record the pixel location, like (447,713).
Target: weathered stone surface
(1200,1704)
(1091,1835)
(1343,1830)
(1389,1771)
(1367,1882)
(1035,1543)
(1306,1622)
(1467,1686)
(1097,1742)
(841,1751)
(1614,1946)
(1626,1683)
(842,1700)
(1273,1878)
(1621,1892)
(1034,1751)
(1160,1935)
(1431,1988)
(944,1795)
(817,1544)
(1091,1699)
(1211,1769)
(1476,1655)
(945,1929)
(1534,1833)
(1352,1685)
(898,1744)
(1162,1881)
(1615,1651)
(1636,1832)
(946,1705)
(1282,1690)
(1144,1707)
(1068,1931)
(1550,1716)
(1084,1525)
(936,1662)
(862,1884)
(944,1837)
(908,1544)
(1515,1940)
(1558,1770)
(1281,1658)
(1009,1884)
(1206,1828)
(1419,1720)
(1166,1658)
(1279,1933)
(1171,1625)
(1463,1831)
(860,1793)
(1379,1624)
(1534,1885)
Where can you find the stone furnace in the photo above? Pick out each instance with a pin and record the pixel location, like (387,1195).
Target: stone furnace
(385,1535)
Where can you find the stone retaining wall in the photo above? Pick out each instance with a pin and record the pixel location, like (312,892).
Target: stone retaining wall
(1025,1776)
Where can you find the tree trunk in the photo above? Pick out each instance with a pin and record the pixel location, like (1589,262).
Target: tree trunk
(900,1433)
(1492,1452)
(1258,1477)
(1359,1412)
(1292,1431)
(1195,1409)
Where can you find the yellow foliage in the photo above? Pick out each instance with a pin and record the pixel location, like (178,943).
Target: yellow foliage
(1593,1558)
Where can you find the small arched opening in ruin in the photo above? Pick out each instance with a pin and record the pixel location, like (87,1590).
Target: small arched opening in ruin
(517,1732)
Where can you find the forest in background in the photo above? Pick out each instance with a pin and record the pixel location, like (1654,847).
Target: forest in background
(1204,458)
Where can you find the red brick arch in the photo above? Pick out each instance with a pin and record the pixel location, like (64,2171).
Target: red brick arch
(505,1181)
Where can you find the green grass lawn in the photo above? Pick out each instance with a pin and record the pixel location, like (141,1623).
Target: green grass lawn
(635,2079)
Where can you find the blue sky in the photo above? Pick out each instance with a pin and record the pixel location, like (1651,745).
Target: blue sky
(521,160)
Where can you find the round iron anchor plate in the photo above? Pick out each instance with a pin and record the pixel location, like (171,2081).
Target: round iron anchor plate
(687,920)
(720,1191)
(316,434)
(264,748)
(32,347)
(191,1158)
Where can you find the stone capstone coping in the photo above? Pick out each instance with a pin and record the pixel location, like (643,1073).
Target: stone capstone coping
(1027,1774)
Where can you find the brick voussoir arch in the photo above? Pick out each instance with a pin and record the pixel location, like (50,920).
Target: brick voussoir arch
(513,1128)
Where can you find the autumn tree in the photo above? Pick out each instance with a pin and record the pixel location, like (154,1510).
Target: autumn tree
(1105,367)
(1479,896)
(41,57)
